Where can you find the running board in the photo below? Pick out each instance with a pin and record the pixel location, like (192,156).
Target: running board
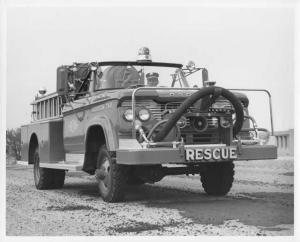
(23,163)
(62,166)
(74,162)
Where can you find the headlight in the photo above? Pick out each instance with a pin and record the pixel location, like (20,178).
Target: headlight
(225,122)
(144,114)
(128,115)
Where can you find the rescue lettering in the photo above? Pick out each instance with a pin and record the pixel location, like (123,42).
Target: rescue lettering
(206,154)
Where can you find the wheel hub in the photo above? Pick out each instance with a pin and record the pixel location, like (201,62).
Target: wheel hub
(102,173)
(37,167)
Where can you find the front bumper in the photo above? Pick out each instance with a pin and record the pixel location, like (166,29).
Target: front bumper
(177,155)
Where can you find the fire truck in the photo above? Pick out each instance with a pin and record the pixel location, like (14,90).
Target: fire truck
(135,122)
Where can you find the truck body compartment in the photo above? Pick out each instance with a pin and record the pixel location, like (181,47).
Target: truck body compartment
(50,140)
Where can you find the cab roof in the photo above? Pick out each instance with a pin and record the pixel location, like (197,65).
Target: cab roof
(139,63)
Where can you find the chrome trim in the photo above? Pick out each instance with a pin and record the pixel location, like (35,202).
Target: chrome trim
(270,102)
(255,127)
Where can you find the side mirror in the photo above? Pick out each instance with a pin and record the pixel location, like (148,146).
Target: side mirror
(204,75)
(205,80)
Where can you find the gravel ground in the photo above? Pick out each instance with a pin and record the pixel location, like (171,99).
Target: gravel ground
(261,202)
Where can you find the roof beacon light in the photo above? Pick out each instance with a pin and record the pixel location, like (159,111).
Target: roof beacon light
(144,55)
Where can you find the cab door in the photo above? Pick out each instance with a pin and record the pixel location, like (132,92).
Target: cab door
(74,128)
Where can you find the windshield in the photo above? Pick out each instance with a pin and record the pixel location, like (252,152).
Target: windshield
(126,76)
(193,79)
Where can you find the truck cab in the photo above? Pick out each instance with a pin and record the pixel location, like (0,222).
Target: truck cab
(134,122)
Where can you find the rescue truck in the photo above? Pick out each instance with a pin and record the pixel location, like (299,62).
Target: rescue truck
(134,122)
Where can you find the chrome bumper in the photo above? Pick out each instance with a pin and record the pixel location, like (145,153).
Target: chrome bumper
(152,156)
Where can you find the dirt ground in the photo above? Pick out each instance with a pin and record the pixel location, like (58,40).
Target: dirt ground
(260,203)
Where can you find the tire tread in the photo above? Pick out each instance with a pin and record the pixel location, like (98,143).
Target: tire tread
(49,178)
(217,179)
(118,172)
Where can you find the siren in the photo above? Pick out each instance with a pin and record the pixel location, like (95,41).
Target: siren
(200,123)
(144,55)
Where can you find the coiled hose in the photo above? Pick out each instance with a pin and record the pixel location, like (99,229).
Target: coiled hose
(203,92)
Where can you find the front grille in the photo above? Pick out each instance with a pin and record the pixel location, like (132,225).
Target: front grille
(189,135)
(158,109)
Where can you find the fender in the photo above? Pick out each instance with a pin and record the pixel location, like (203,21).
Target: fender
(29,147)
(109,131)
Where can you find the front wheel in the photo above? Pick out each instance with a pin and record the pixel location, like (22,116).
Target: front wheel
(217,178)
(111,177)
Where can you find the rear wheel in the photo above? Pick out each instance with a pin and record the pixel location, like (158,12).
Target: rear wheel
(111,177)
(42,176)
(58,178)
(45,178)
(217,178)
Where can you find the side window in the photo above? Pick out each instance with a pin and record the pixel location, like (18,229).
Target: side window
(103,76)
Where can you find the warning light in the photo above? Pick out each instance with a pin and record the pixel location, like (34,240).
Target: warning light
(42,91)
(144,55)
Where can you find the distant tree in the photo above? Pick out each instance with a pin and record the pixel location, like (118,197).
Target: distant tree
(13,142)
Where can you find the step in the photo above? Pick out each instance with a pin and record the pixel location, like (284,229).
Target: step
(73,162)
(63,166)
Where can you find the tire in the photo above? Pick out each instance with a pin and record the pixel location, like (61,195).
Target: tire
(111,177)
(42,176)
(45,178)
(217,178)
(58,178)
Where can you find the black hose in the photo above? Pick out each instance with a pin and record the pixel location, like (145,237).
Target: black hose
(157,125)
(213,90)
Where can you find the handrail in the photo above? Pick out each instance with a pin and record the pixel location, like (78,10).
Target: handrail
(270,101)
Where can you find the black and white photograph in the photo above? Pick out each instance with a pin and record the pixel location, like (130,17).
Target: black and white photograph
(149,118)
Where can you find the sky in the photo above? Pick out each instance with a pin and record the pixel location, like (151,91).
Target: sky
(240,47)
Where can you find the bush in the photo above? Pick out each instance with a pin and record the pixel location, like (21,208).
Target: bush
(13,143)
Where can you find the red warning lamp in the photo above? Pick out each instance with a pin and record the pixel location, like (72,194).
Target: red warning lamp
(144,55)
